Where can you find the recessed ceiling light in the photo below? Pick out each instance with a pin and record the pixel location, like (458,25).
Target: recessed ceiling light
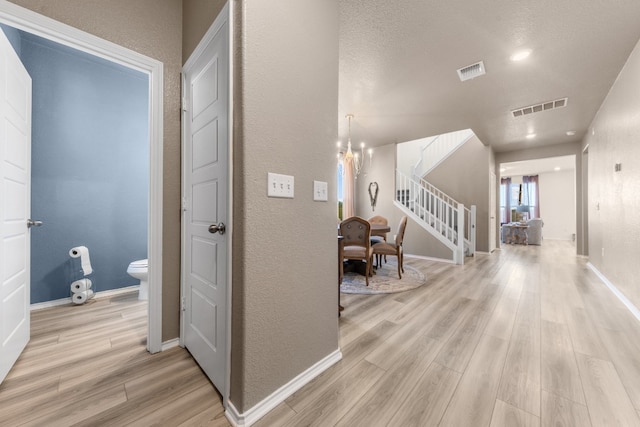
(571,132)
(557,168)
(531,136)
(520,55)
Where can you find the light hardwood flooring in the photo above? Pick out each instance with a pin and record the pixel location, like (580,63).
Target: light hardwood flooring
(527,336)
(87,365)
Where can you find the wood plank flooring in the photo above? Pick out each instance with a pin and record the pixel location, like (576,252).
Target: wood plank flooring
(87,366)
(527,336)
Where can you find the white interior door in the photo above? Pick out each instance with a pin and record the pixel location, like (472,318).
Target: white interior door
(15,205)
(205,168)
(492,212)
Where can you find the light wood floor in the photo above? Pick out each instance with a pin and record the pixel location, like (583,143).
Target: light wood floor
(527,336)
(87,365)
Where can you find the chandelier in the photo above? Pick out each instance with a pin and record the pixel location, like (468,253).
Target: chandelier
(356,158)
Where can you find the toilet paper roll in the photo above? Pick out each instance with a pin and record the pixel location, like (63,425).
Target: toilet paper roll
(81,285)
(82,297)
(83,253)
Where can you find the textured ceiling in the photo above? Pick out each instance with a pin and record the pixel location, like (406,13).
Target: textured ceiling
(398,62)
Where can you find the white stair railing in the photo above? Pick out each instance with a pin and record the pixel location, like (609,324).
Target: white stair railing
(438,213)
(438,148)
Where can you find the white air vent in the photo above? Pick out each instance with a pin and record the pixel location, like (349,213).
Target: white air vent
(471,71)
(549,105)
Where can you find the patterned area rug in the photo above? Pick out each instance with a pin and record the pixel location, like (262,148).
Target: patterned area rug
(385,281)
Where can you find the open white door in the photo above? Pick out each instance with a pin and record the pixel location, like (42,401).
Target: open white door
(15,205)
(204,191)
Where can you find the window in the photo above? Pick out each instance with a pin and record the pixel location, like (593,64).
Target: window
(514,195)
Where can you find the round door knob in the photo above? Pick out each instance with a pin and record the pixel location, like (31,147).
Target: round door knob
(217,228)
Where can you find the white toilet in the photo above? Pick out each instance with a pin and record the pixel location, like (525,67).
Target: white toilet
(140,270)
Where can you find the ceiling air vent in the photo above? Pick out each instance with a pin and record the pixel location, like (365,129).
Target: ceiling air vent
(471,71)
(549,105)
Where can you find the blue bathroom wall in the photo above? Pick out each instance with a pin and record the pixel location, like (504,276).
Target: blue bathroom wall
(90,167)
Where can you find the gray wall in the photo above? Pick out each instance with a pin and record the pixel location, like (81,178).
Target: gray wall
(285,290)
(89,167)
(614,197)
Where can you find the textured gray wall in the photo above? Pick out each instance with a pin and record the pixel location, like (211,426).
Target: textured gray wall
(285,292)
(614,197)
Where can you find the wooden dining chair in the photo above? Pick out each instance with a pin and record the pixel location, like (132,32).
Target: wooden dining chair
(393,248)
(378,236)
(356,243)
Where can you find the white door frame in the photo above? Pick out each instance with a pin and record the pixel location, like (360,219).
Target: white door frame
(199,50)
(27,20)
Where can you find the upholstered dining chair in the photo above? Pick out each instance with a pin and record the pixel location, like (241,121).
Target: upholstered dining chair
(393,248)
(378,220)
(378,236)
(356,234)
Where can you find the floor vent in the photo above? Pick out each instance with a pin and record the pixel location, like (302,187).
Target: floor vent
(471,71)
(549,105)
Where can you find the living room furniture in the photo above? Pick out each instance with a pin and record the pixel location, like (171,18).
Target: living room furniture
(515,233)
(356,243)
(534,233)
(393,248)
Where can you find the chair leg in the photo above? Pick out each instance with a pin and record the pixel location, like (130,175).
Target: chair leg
(367,272)
(399,267)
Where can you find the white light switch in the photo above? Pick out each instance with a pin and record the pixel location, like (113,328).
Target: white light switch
(320,191)
(280,185)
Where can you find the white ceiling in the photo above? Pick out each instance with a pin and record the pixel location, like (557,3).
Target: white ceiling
(538,166)
(398,62)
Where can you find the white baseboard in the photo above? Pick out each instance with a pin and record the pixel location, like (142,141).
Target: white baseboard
(632,308)
(98,295)
(249,417)
(428,258)
(170,344)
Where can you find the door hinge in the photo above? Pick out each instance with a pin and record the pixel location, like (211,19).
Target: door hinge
(184,304)
(185,105)
(184,204)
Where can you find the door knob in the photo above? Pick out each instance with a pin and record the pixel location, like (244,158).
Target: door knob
(217,228)
(33,223)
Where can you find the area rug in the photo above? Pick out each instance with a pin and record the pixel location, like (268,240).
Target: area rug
(385,281)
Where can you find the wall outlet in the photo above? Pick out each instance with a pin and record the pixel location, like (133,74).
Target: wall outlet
(320,190)
(280,185)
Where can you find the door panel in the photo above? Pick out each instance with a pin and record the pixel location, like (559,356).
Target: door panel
(15,175)
(205,204)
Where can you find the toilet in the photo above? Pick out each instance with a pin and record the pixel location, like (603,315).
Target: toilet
(140,270)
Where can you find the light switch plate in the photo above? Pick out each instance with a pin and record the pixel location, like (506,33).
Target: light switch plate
(320,191)
(279,185)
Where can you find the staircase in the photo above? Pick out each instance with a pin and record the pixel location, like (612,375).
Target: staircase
(437,148)
(443,217)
